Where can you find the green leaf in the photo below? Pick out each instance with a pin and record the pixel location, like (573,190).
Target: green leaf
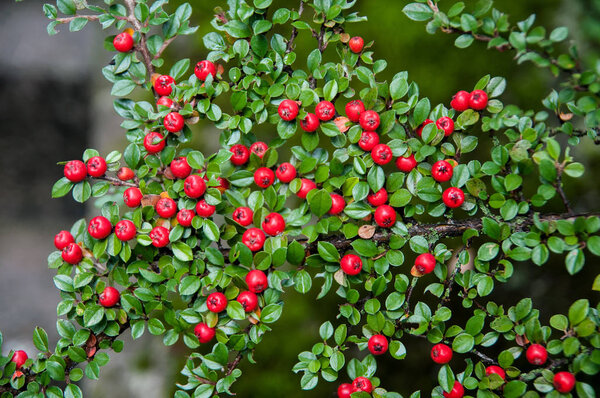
(235,310)
(578,311)
(462,343)
(421,111)
(328,252)
(237,29)
(398,88)
(559,34)
(302,281)
(189,285)
(123,87)
(92,315)
(262,3)
(40,339)
(320,202)
(314,60)
(61,187)
(418,12)
(446,378)
(488,251)
(182,251)
(464,41)
(271,313)
(82,191)
(67,7)
(366,248)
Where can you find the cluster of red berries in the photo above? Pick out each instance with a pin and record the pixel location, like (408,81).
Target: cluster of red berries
(76,171)
(445,123)
(463,100)
(345,390)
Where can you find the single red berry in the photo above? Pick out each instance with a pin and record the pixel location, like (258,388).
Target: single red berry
(154,142)
(378,344)
(453,197)
(460,101)
(109,297)
(536,354)
(406,164)
(351,264)
(325,110)
(223,185)
(457,391)
(243,216)
(205,68)
(166,207)
(96,166)
(345,390)
(378,198)
(204,333)
(132,197)
(99,227)
(163,85)
(204,210)
(446,124)
(257,281)
(274,224)
(125,174)
(385,216)
(478,100)
(354,109)
(259,148)
(173,122)
(264,177)
(241,154)
(159,236)
(216,302)
(75,170)
(441,353)
(420,128)
(185,217)
(305,187)
(125,230)
(254,238)
(194,186)
(180,167)
(337,204)
(369,120)
(442,171)
(285,172)
(288,110)
(564,382)
(123,42)
(310,123)
(368,140)
(72,253)
(493,369)
(165,101)
(248,300)
(62,239)
(382,154)
(356,44)
(19,358)
(425,263)
(362,384)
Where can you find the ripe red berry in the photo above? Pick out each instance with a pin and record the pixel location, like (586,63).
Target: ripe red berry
(264,177)
(378,344)
(478,100)
(254,238)
(205,68)
(441,171)
(75,170)
(536,354)
(441,353)
(446,124)
(123,42)
(274,224)
(457,391)
(19,358)
(288,110)
(125,230)
(305,187)
(154,142)
(257,281)
(194,186)
(125,174)
(460,101)
(216,302)
(453,197)
(159,236)
(259,148)
(96,166)
(345,390)
(351,264)
(109,297)
(180,167)
(241,154)
(248,300)
(166,207)
(285,172)
(425,263)
(243,216)
(165,101)
(362,384)
(382,154)
(99,227)
(204,210)
(378,198)
(62,239)
(368,140)
(337,204)
(406,164)
(325,110)
(354,109)
(185,217)
(385,216)
(493,369)
(356,44)
(223,185)
(72,253)
(173,122)
(310,123)
(369,120)
(420,128)
(564,382)
(204,333)
(132,197)
(163,85)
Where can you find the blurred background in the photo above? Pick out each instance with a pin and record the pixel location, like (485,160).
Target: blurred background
(54,103)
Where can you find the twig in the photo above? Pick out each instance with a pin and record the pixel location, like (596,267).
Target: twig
(143,47)
(116,182)
(164,46)
(290,44)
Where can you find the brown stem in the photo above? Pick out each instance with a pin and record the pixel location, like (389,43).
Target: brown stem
(116,182)
(561,192)
(290,44)
(142,48)
(164,46)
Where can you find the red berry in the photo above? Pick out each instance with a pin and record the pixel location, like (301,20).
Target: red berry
(163,85)
(185,217)
(109,297)
(351,264)
(453,197)
(62,239)
(285,172)
(354,109)
(154,142)
(478,100)
(460,101)
(420,128)
(368,140)
(254,238)
(204,210)
(257,281)
(442,171)
(305,187)
(369,120)
(288,110)
(385,216)
(165,101)
(425,263)
(259,148)
(378,344)
(441,353)
(564,382)
(19,358)
(248,300)
(362,384)
(445,123)
(166,207)
(204,333)
(99,227)
(325,110)
(123,42)
(310,123)
(159,236)
(223,184)
(125,230)
(378,198)
(536,354)
(493,369)
(337,204)
(180,167)
(125,174)
(264,177)
(194,186)
(382,154)
(96,166)
(345,390)
(356,44)
(132,197)
(72,253)
(75,170)
(243,216)
(406,164)
(241,154)
(173,122)
(216,302)
(457,391)
(205,68)
(274,224)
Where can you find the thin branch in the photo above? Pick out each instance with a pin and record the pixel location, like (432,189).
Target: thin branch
(69,19)
(116,182)
(142,48)
(290,44)
(164,46)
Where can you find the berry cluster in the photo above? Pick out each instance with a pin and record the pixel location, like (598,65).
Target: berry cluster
(463,100)
(359,384)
